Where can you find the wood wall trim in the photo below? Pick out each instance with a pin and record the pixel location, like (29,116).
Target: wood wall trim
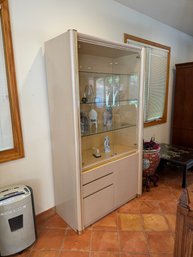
(44,216)
(145,41)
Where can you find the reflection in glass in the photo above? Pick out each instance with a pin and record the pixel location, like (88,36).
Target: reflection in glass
(107,90)
(6,136)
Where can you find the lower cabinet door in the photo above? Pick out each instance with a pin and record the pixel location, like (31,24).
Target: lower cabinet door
(98,204)
(125,180)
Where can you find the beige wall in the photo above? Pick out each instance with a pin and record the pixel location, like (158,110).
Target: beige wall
(34,22)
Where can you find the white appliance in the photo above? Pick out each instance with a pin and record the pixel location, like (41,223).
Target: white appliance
(17,223)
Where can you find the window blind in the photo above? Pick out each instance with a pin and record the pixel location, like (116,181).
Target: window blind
(155,84)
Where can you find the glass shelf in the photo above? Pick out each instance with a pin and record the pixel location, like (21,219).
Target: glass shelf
(111,103)
(103,129)
(104,74)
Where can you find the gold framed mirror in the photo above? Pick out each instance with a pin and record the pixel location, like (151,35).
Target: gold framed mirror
(11,141)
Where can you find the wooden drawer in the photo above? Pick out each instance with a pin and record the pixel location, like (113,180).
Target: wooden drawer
(97,184)
(98,205)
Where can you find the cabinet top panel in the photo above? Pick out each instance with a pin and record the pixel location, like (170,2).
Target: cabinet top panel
(105,51)
(184,65)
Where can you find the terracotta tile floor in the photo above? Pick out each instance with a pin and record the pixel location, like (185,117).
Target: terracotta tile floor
(143,227)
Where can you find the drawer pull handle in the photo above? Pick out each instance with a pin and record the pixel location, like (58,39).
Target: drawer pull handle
(98,191)
(98,179)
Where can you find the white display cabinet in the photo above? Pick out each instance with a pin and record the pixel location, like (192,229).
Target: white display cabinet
(95,98)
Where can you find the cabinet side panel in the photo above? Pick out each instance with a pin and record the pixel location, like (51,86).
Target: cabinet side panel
(64,122)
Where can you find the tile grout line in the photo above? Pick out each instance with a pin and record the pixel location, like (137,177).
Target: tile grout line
(145,234)
(90,244)
(62,243)
(118,232)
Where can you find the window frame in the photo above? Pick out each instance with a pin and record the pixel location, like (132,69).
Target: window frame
(18,150)
(163,119)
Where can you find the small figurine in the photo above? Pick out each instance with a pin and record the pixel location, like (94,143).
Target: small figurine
(107,148)
(93,119)
(96,153)
(84,98)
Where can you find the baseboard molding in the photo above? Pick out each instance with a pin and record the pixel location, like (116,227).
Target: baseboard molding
(43,216)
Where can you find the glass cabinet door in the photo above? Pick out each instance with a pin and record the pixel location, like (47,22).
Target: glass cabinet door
(109,94)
